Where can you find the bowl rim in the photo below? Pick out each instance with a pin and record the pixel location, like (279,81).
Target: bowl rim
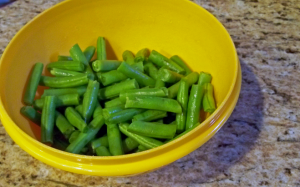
(211,118)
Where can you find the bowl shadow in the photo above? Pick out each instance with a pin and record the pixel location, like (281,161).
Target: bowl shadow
(212,161)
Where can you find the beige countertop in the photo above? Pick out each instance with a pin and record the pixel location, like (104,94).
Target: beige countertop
(260,143)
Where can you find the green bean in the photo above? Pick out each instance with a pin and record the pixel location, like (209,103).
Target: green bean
(169,76)
(62,100)
(142,55)
(150,115)
(155,103)
(75,119)
(147,142)
(96,121)
(63,73)
(113,102)
(63,125)
(157,92)
(107,112)
(208,99)
(141,148)
(180,62)
(85,137)
(48,118)
(98,110)
(101,48)
(151,70)
(77,55)
(89,72)
(59,144)
(193,111)
(190,78)
(181,134)
(102,151)
(67,65)
(33,83)
(108,78)
(204,78)
(74,136)
(128,57)
(114,140)
(141,78)
(129,144)
(105,65)
(78,108)
(90,100)
(153,130)
(89,53)
(162,61)
(102,141)
(64,58)
(114,90)
(31,114)
(139,66)
(182,98)
(123,115)
(63,91)
(64,82)
(159,121)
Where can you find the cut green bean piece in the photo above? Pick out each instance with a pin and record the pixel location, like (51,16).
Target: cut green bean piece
(182,64)
(105,65)
(108,78)
(169,76)
(63,91)
(103,151)
(98,110)
(31,114)
(114,90)
(48,118)
(75,119)
(114,140)
(101,48)
(159,83)
(64,82)
(162,61)
(129,144)
(147,142)
(191,78)
(78,108)
(155,103)
(142,55)
(150,115)
(63,125)
(128,57)
(64,58)
(89,72)
(77,55)
(89,53)
(62,100)
(67,65)
(90,100)
(63,73)
(96,121)
(182,98)
(113,102)
(193,111)
(157,92)
(107,112)
(208,99)
(183,133)
(153,130)
(151,70)
(123,115)
(141,148)
(85,137)
(141,78)
(74,136)
(204,78)
(102,141)
(33,83)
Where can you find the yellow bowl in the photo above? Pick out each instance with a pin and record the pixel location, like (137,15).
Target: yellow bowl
(169,26)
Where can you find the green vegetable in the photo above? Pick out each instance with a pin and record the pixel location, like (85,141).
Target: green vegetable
(141,148)
(182,98)
(77,55)
(193,111)
(103,151)
(101,48)
(90,100)
(31,114)
(98,110)
(128,57)
(208,99)
(155,103)
(129,144)
(48,118)
(75,119)
(63,91)
(64,82)
(180,62)
(64,73)
(113,102)
(67,65)
(158,92)
(64,58)
(63,125)
(169,76)
(33,83)
(107,112)
(123,116)
(74,136)
(142,55)
(151,129)
(150,115)
(89,53)
(114,140)
(204,78)
(151,70)
(105,65)
(103,141)
(62,100)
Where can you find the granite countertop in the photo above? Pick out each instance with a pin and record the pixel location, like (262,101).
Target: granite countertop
(260,143)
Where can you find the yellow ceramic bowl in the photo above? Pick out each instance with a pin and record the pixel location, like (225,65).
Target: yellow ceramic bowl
(168,26)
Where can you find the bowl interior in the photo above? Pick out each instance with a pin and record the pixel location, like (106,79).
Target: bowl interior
(170,27)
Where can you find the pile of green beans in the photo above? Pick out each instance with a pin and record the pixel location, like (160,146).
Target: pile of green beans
(107,107)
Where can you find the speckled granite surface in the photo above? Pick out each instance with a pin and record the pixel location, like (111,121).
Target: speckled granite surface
(260,143)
